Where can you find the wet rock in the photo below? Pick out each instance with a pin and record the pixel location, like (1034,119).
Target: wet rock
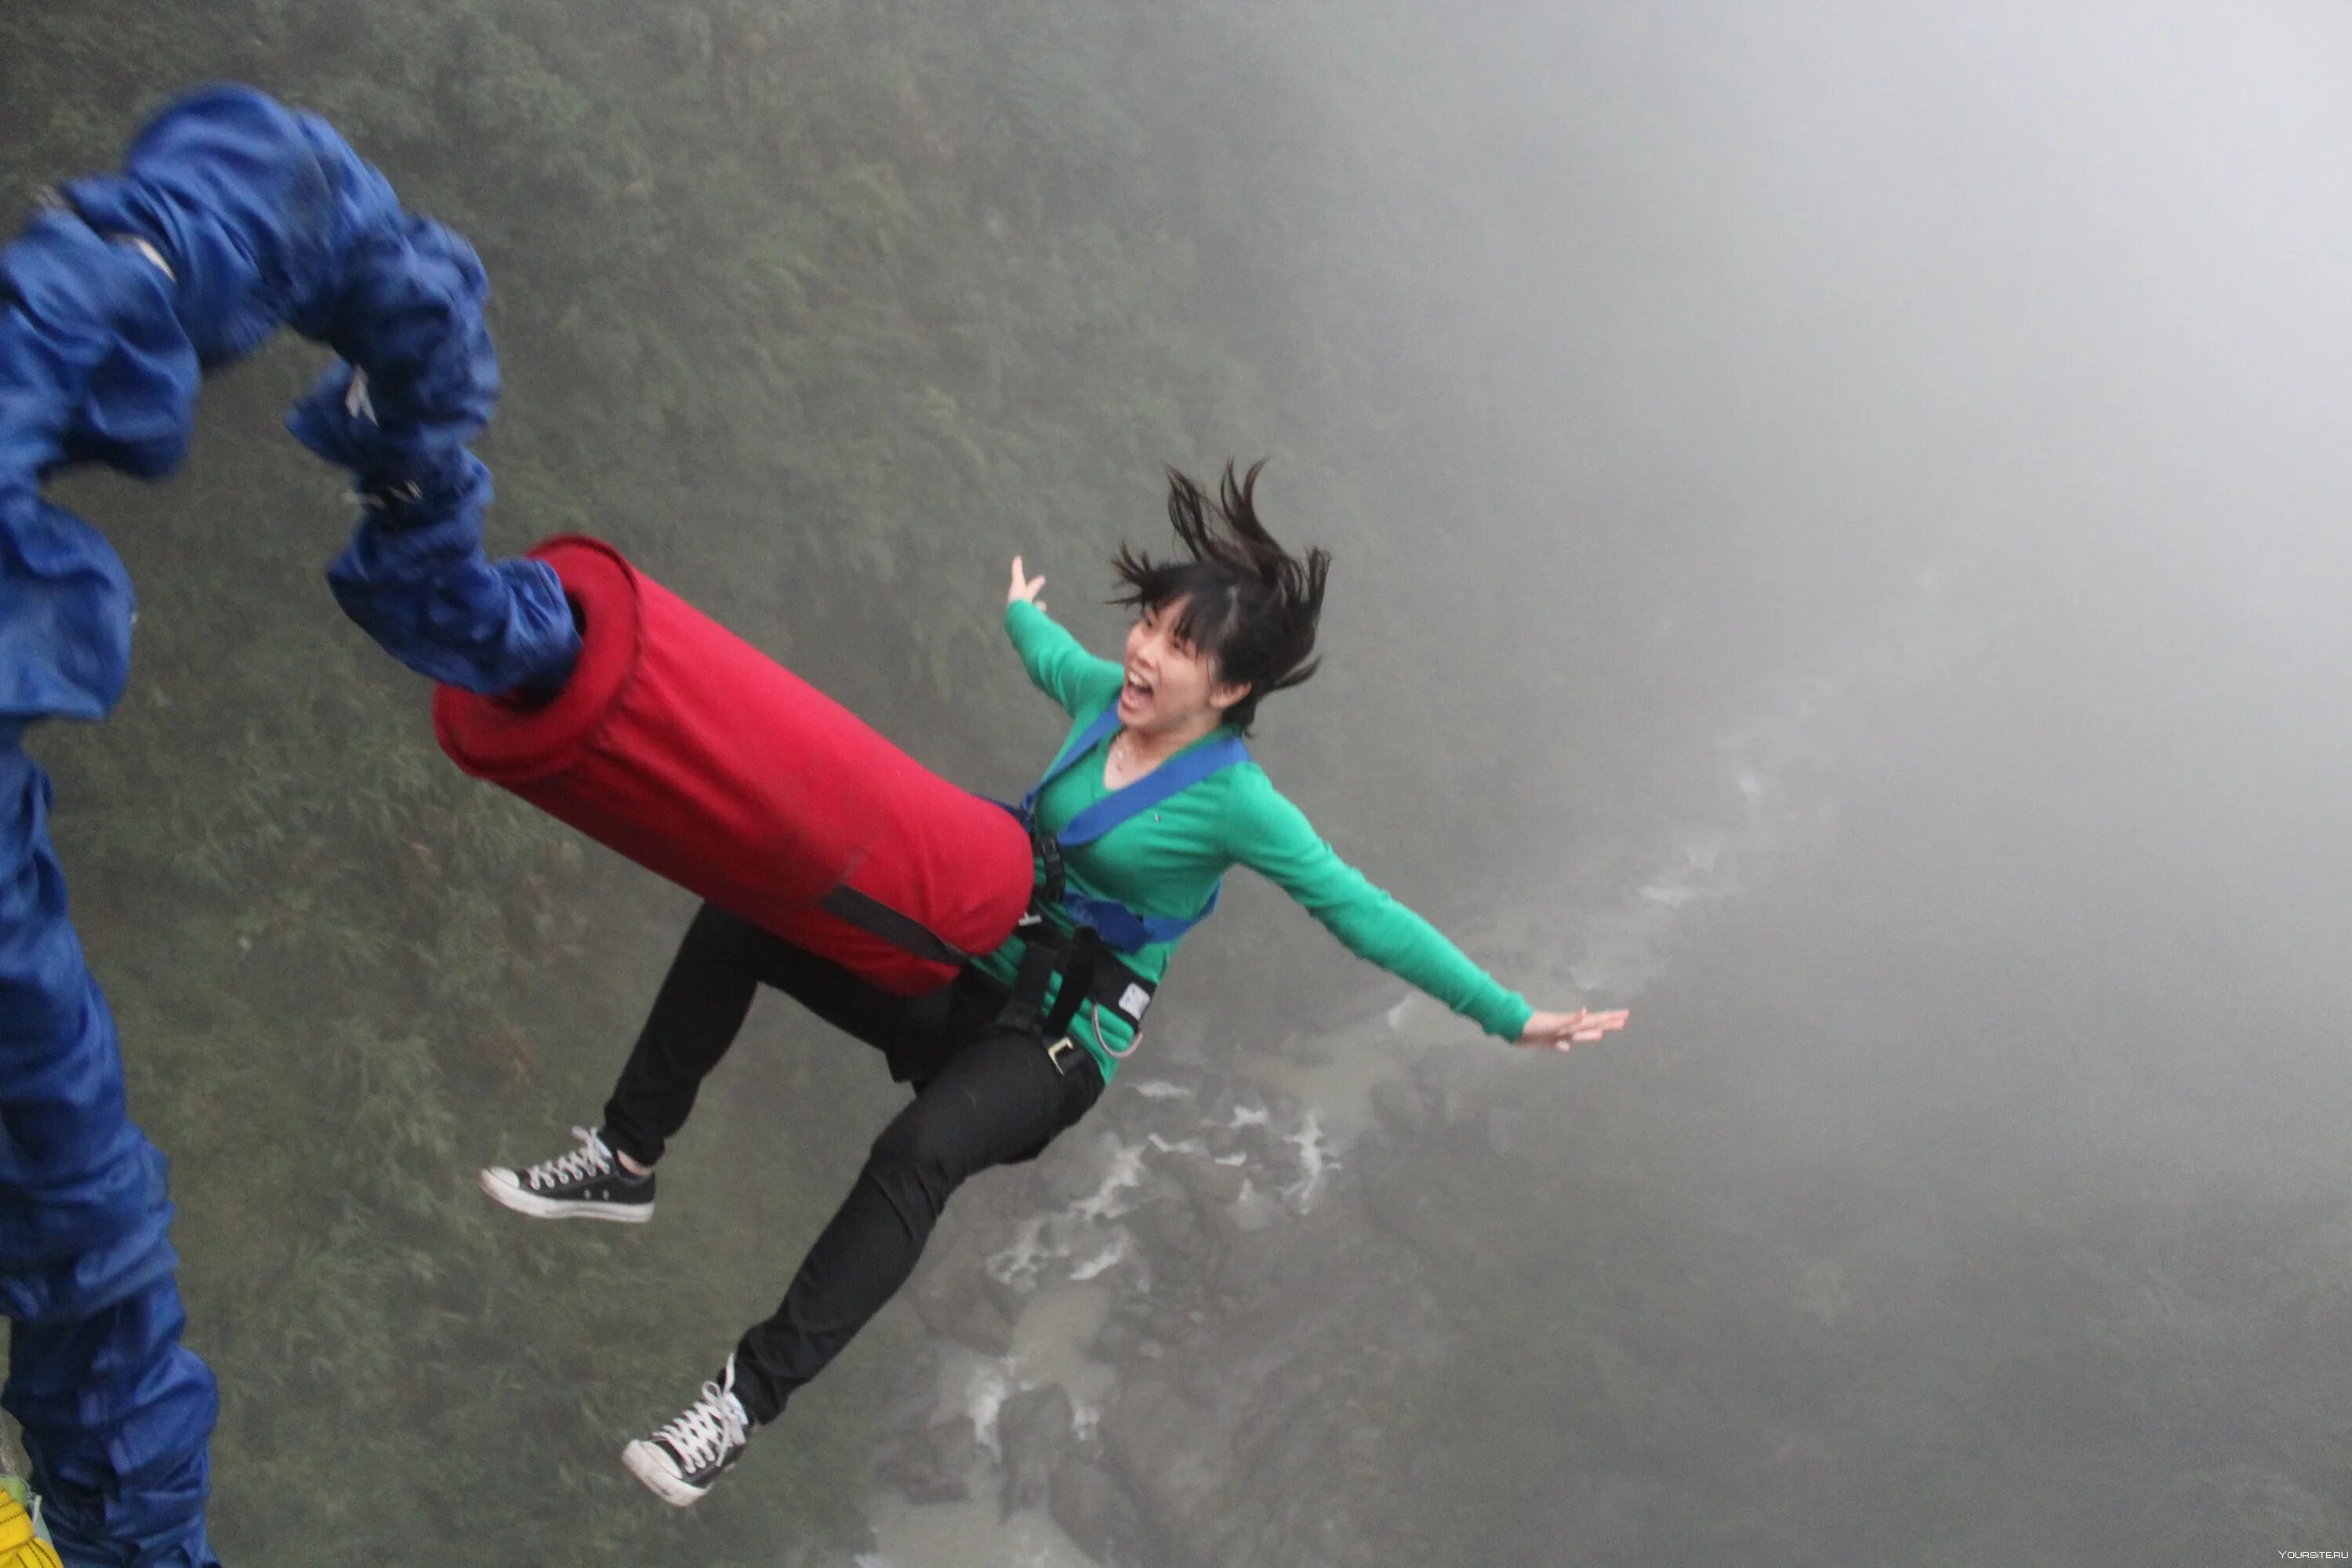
(984,1326)
(1010,1300)
(1251,1244)
(1254,1210)
(1031,1429)
(933,1487)
(1090,1508)
(1160,1186)
(1167,1452)
(949,1279)
(1207,1181)
(958,1306)
(934,1466)
(1170,1233)
(939,1298)
(1075,1168)
(828,1557)
(836,1557)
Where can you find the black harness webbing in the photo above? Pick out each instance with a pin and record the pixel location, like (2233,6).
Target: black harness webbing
(870,914)
(1090,972)
(1090,969)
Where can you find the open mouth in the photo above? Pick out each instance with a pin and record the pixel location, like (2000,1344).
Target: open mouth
(1136,689)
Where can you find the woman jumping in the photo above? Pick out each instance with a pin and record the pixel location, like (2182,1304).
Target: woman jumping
(1152,797)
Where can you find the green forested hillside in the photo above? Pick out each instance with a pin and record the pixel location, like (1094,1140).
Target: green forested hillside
(822,309)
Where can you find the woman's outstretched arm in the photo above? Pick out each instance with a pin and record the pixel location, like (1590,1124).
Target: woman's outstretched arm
(1274,837)
(1058,665)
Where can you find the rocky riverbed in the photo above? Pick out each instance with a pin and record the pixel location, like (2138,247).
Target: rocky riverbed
(1175,1340)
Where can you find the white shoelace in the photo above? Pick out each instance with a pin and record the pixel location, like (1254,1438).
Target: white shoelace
(711,1425)
(591,1159)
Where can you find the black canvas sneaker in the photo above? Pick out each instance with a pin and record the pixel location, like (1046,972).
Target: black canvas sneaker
(681,1460)
(586,1183)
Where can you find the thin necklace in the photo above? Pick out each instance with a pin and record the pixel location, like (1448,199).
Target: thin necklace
(1133,747)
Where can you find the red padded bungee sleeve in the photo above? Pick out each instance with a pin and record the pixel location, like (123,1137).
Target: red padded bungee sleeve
(703,759)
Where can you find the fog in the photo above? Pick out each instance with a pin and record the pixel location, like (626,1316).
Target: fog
(2003,337)
(1838,513)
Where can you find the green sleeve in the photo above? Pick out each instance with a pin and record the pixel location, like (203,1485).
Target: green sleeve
(1274,838)
(1058,665)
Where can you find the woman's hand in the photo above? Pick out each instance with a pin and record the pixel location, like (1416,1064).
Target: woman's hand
(1558,1031)
(1024,587)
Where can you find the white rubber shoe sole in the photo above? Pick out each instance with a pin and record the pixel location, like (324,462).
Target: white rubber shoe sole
(652,1467)
(507,1190)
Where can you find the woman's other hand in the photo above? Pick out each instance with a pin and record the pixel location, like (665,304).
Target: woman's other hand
(1025,586)
(1558,1031)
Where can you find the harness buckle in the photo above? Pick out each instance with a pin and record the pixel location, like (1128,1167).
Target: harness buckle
(1051,878)
(1060,1053)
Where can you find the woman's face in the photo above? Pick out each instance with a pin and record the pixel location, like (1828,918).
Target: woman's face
(1171,685)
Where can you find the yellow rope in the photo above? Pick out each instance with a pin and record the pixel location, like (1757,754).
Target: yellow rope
(18,1546)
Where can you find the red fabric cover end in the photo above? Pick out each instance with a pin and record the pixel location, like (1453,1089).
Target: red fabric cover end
(696,755)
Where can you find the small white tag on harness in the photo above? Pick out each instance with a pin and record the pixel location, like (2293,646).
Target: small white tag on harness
(1133,1001)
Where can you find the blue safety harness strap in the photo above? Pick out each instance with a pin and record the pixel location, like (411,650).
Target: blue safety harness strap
(1121,928)
(1084,959)
(1179,772)
(1077,746)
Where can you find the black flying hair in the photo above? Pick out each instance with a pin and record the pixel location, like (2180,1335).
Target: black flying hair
(1249,606)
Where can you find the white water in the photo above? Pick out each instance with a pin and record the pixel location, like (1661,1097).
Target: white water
(968,1535)
(1070,1264)
(1050,1340)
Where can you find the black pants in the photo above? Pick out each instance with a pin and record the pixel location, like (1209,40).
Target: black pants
(984,1096)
